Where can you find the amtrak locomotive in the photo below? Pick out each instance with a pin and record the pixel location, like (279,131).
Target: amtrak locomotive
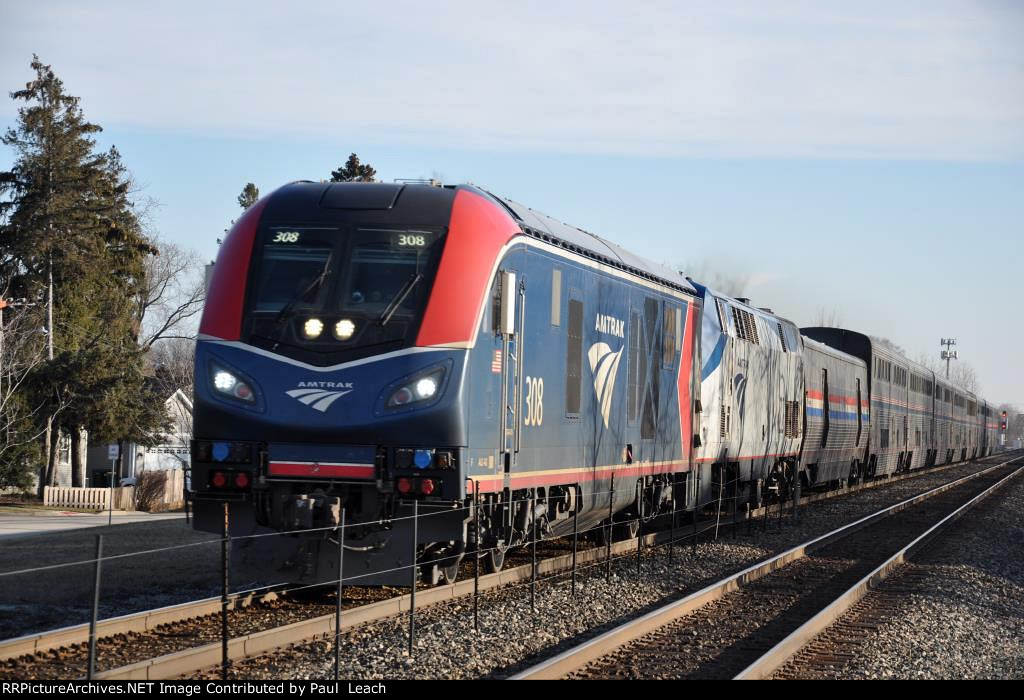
(374,346)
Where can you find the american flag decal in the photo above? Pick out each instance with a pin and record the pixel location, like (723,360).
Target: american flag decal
(496,362)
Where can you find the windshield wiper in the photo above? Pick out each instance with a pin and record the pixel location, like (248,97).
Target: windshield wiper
(392,307)
(287,309)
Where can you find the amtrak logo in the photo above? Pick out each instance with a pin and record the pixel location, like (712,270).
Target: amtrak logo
(319,395)
(610,325)
(604,364)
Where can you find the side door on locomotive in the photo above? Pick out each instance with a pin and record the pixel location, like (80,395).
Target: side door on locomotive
(507,375)
(505,402)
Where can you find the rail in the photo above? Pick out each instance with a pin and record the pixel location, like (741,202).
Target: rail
(778,655)
(326,626)
(579,656)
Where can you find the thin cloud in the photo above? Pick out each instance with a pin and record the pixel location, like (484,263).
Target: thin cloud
(931,80)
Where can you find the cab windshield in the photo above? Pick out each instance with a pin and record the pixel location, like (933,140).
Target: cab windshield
(326,295)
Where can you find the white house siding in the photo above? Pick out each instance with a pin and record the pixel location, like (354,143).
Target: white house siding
(167,456)
(173,453)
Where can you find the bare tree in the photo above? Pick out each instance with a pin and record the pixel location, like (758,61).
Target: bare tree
(828,319)
(962,375)
(172,363)
(22,411)
(930,362)
(173,295)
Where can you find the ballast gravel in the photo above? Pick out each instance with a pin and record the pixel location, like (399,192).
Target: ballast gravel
(513,635)
(956,610)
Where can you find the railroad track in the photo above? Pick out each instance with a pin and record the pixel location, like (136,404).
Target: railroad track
(772,660)
(65,650)
(174,628)
(954,610)
(748,624)
(844,640)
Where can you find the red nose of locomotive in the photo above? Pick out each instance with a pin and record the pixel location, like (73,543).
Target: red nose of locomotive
(329,370)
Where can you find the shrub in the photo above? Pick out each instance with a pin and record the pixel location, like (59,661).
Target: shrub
(149,490)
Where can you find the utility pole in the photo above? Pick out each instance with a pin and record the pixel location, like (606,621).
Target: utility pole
(49,310)
(49,469)
(949,354)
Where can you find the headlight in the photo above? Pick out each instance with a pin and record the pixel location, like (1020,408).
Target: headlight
(418,389)
(344,329)
(312,328)
(224,381)
(426,387)
(228,384)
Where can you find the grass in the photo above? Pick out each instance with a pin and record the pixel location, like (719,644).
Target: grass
(39,600)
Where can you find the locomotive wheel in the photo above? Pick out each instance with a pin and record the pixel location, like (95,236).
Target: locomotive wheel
(494,560)
(630,528)
(776,486)
(854,473)
(450,573)
(433,574)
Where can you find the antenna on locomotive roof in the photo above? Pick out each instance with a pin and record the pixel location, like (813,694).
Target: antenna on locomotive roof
(743,300)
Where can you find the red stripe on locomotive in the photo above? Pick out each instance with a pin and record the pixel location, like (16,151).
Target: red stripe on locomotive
(223,318)
(685,369)
(477,232)
(323,471)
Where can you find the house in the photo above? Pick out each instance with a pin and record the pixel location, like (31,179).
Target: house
(173,452)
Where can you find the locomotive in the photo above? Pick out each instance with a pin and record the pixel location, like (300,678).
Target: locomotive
(391,349)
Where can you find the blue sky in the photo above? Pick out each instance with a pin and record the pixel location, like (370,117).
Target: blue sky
(865,159)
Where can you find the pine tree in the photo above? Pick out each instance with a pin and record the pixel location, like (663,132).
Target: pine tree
(69,230)
(250,195)
(354,171)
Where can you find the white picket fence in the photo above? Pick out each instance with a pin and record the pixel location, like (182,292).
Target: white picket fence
(89,498)
(172,492)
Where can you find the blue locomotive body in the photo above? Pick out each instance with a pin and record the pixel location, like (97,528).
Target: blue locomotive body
(389,350)
(537,375)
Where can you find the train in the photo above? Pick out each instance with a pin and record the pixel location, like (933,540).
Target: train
(386,350)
